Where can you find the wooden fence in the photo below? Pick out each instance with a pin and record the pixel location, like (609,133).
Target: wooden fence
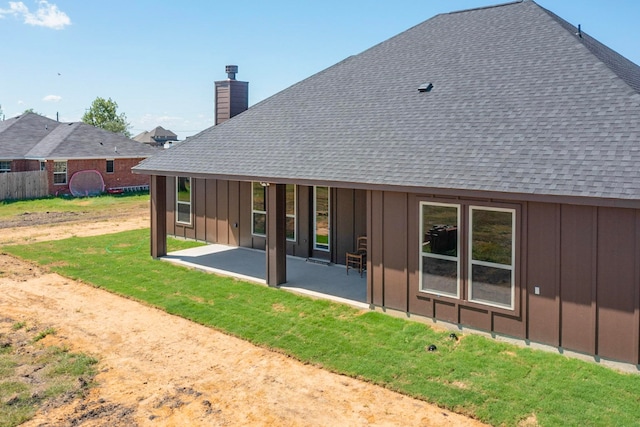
(23,185)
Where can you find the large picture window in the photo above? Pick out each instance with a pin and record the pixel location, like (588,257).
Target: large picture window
(440,260)
(183,200)
(259,210)
(60,173)
(488,253)
(491,264)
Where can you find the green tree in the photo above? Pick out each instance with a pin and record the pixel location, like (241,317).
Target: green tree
(31,110)
(103,114)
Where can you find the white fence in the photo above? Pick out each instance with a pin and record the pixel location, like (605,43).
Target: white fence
(23,185)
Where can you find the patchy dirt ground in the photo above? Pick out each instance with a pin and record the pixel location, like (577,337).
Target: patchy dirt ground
(161,370)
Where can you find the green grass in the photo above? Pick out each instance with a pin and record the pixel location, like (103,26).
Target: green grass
(14,208)
(495,382)
(56,372)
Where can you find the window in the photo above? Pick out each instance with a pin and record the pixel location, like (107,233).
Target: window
(491,265)
(183,200)
(43,165)
(440,253)
(321,225)
(5,166)
(291,212)
(489,254)
(110,166)
(60,173)
(259,210)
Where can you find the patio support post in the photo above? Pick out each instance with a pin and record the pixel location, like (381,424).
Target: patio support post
(158,191)
(276,235)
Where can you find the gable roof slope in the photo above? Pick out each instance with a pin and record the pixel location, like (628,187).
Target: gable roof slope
(519,104)
(31,136)
(82,141)
(20,134)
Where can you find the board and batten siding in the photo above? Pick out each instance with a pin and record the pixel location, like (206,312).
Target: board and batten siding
(577,276)
(221,213)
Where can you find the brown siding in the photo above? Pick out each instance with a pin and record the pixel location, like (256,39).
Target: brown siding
(617,284)
(395,250)
(304,206)
(577,278)
(234,213)
(199,209)
(222,214)
(245,215)
(350,221)
(376,245)
(543,268)
(211,202)
(171,206)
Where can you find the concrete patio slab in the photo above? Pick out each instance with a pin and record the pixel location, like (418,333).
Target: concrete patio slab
(308,278)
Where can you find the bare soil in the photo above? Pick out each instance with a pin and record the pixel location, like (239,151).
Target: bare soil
(161,370)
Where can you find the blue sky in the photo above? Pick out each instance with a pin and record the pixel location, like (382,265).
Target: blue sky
(158,59)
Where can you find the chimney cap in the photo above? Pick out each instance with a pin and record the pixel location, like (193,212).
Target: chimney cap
(231,71)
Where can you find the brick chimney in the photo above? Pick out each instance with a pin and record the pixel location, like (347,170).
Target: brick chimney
(231,96)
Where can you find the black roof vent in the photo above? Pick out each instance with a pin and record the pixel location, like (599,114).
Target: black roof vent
(231,71)
(425,87)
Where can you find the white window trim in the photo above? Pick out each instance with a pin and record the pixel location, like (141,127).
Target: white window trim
(315,220)
(439,256)
(254,211)
(66,172)
(471,262)
(178,202)
(294,216)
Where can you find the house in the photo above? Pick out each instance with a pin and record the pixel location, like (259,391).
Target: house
(489,155)
(31,142)
(156,137)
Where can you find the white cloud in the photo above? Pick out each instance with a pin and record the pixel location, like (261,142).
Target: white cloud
(52,98)
(48,15)
(20,102)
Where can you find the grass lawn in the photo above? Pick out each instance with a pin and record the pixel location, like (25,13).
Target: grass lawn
(498,383)
(14,208)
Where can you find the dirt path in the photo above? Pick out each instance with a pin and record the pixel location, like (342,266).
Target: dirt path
(161,370)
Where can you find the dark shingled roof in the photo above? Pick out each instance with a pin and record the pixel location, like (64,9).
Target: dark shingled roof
(520,104)
(31,136)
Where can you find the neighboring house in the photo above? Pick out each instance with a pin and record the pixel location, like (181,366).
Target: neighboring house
(31,142)
(490,155)
(157,137)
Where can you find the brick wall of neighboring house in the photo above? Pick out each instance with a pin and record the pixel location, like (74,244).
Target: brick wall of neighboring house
(22,165)
(121,176)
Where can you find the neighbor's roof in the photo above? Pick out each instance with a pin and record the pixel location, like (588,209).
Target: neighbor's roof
(159,133)
(521,103)
(31,136)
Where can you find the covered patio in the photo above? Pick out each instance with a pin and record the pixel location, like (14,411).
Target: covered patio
(305,277)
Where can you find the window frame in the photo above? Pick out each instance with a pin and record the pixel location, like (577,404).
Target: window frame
(181,202)
(6,169)
(471,262)
(458,257)
(293,215)
(58,173)
(255,211)
(316,246)
(113,166)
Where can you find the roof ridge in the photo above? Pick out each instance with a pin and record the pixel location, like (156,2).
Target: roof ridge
(624,68)
(47,144)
